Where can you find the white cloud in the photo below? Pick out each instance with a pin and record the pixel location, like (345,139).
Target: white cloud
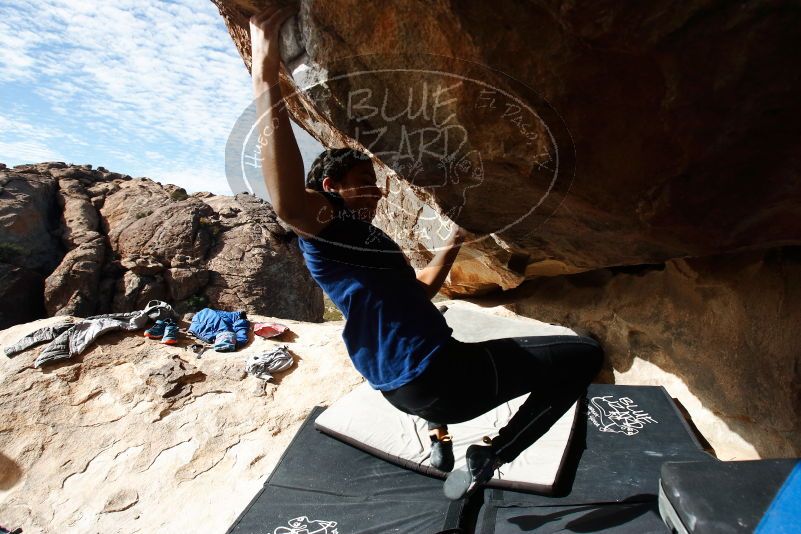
(153,86)
(15,57)
(31,143)
(17,131)
(19,152)
(145,69)
(195,178)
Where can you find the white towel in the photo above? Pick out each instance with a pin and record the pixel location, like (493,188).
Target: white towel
(274,361)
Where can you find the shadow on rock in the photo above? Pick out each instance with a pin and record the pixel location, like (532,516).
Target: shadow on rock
(10,472)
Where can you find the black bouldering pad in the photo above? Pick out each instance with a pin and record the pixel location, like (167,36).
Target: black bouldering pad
(621,440)
(609,483)
(324,486)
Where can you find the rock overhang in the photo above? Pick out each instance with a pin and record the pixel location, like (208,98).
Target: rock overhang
(662,106)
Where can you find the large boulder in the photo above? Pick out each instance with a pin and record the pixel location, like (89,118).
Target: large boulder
(255,262)
(73,288)
(668,132)
(29,218)
(631,167)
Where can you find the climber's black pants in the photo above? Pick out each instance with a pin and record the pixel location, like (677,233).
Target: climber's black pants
(465,380)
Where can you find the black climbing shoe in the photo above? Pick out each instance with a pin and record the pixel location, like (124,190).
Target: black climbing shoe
(442,453)
(481,464)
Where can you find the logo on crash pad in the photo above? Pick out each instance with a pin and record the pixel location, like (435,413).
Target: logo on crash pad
(620,416)
(304,525)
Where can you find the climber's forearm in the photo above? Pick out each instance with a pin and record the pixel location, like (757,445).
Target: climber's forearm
(433,275)
(281,162)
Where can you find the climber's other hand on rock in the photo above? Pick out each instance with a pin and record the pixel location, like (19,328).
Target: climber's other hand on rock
(458,235)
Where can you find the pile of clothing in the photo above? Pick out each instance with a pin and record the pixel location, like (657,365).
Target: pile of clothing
(70,338)
(263,365)
(228,331)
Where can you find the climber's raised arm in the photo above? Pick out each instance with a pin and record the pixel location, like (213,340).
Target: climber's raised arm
(281,162)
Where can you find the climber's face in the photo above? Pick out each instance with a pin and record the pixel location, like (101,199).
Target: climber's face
(359,190)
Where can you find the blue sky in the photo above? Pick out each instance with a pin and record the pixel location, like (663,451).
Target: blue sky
(142,87)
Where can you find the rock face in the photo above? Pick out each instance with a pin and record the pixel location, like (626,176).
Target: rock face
(722,329)
(656,132)
(78,241)
(29,246)
(137,436)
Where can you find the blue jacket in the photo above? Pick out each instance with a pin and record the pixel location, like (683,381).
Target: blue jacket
(207,323)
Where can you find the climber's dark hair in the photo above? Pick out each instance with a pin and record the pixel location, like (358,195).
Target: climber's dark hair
(334,162)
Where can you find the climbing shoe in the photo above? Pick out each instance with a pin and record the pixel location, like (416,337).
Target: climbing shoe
(170,334)
(156,331)
(481,464)
(442,453)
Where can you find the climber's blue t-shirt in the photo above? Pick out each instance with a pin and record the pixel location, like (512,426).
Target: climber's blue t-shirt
(392,328)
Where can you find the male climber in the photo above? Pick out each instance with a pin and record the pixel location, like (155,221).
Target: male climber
(395,336)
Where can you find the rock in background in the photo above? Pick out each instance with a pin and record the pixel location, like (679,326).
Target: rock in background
(30,248)
(78,241)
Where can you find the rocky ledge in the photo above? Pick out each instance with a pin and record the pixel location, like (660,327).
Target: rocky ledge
(570,136)
(136,436)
